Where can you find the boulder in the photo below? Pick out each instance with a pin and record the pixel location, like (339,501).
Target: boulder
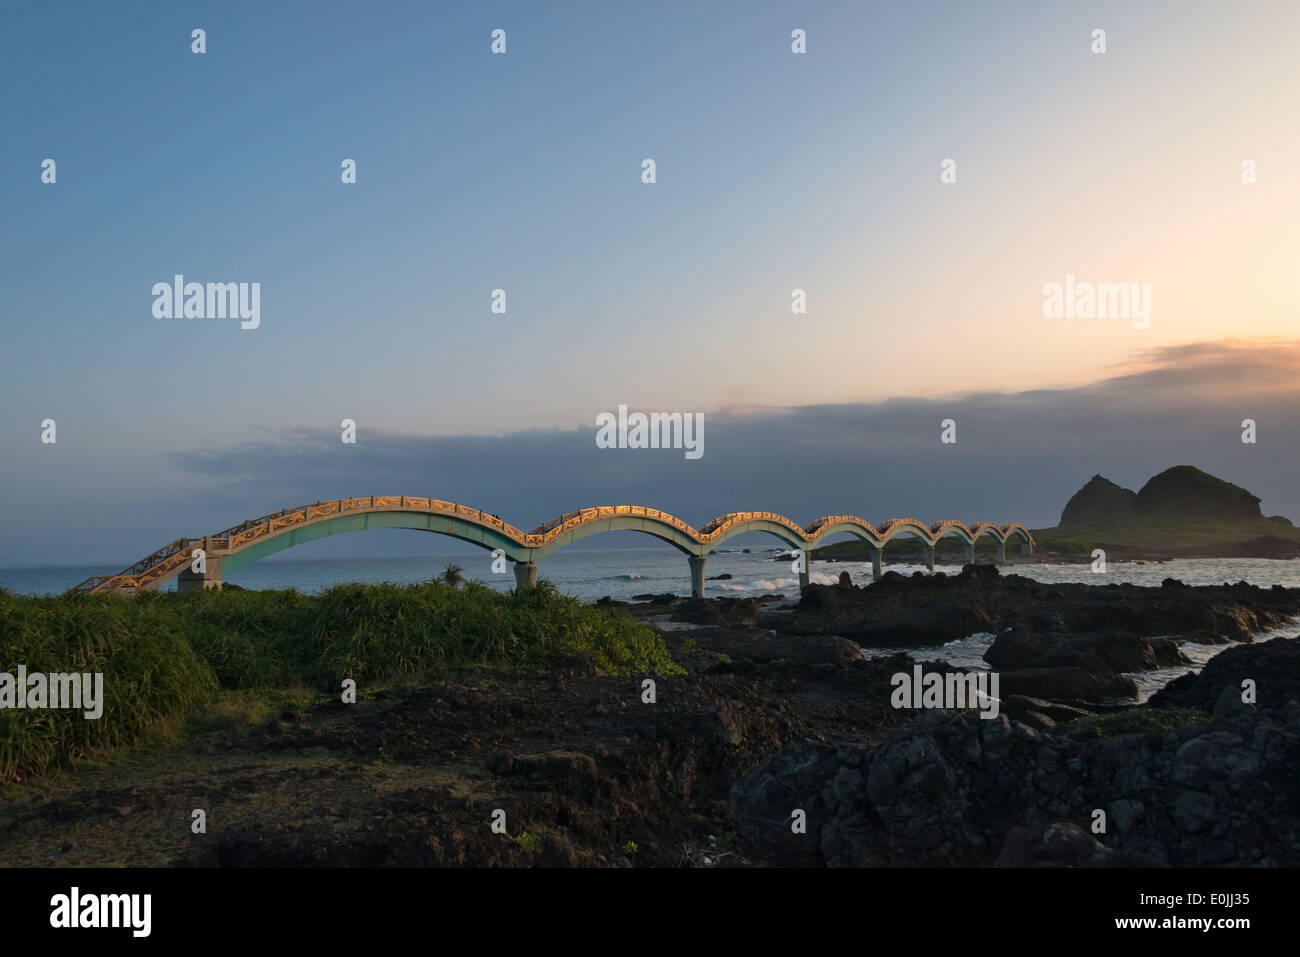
(1015,705)
(1066,683)
(1062,844)
(1273,666)
(1111,651)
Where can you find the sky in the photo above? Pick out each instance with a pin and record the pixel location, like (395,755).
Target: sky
(522,171)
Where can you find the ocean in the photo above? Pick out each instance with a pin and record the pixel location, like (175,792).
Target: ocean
(590,574)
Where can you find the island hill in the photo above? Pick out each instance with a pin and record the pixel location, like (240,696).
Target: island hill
(1181,513)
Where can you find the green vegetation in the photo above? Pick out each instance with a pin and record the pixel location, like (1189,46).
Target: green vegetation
(1154,535)
(452,575)
(378,632)
(1133,721)
(165,655)
(151,674)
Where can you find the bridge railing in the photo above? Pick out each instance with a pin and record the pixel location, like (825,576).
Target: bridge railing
(724,522)
(167,560)
(549,531)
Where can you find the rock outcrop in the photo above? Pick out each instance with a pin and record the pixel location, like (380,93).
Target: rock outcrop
(922,610)
(950,788)
(1183,492)
(1100,502)
(1269,665)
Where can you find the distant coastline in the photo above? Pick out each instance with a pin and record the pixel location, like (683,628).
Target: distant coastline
(1181,513)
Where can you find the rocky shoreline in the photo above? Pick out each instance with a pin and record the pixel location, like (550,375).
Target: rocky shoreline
(778,711)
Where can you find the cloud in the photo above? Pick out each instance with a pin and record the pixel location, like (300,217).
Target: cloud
(1229,367)
(1018,457)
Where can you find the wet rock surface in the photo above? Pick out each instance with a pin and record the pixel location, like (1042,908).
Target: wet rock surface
(1269,665)
(1113,650)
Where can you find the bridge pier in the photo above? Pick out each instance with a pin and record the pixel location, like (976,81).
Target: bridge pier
(210,577)
(877,563)
(525,574)
(1026,548)
(929,557)
(805,569)
(970,553)
(1002,553)
(697,575)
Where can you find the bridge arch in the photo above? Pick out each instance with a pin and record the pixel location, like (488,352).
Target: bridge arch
(458,528)
(575,526)
(897,528)
(238,546)
(980,529)
(1017,532)
(829,525)
(739,523)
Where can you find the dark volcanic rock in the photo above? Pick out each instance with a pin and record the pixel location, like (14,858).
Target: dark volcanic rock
(1014,705)
(1114,650)
(1100,502)
(1065,845)
(778,788)
(1067,683)
(731,612)
(950,788)
(934,609)
(1273,665)
(761,646)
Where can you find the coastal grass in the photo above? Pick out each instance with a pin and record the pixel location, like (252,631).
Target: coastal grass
(152,675)
(1133,721)
(373,633)
(165,655)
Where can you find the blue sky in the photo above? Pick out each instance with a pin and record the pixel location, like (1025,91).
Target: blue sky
(522,172)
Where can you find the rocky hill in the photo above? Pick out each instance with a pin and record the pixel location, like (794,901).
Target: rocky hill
(1101,501)
(1181,493)
(1183,512)
(1186,492)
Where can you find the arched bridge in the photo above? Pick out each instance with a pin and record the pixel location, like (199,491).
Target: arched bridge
(257,538)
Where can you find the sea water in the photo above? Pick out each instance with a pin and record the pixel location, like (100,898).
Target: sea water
(622,574)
